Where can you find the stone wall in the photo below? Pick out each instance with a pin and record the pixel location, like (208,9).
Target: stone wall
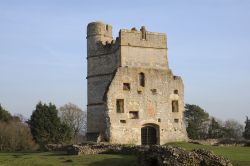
(134,38)
(90,149)
(153,102)
(150,52)
(144,57)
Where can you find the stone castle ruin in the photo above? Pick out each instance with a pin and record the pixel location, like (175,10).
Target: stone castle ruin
(133,96)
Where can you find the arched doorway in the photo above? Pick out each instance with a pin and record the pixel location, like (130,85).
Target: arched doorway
(149,135)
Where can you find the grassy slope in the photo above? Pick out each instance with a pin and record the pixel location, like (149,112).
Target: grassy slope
(238,155)
(54,159)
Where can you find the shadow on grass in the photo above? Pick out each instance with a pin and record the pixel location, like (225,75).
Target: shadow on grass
(58,154)
(124,161)
(240,163)
(19,155)
(68,161)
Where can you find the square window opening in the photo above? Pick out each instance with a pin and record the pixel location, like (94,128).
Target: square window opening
(154,91)
(126,86)
(122,121)
(133,114)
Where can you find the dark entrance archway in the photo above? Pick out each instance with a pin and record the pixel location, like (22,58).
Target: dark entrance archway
(149,135)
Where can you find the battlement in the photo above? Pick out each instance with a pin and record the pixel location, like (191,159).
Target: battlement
(143,49)
(142,38)
(134,48)
(99,28)
(100,40)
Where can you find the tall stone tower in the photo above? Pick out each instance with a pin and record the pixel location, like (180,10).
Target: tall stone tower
(133,97)
(102,62)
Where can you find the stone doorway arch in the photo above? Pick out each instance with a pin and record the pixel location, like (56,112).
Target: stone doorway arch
(150,134)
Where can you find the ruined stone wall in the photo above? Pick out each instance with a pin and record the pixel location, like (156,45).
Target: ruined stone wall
(114,62)
(153,103)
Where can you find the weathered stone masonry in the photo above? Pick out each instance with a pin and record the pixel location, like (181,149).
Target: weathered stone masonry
(133,96)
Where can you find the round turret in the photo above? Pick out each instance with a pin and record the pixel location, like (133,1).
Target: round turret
(98,32)
(99,28)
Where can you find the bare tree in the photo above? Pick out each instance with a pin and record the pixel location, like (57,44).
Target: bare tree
(75,118)
(233,129)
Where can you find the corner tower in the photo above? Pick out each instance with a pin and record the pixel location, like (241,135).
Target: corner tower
(97,32)
(102,62)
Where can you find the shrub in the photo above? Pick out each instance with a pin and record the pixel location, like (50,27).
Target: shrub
(16,136)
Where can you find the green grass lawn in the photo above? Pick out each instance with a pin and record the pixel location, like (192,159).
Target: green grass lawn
(57,159)
(239,156)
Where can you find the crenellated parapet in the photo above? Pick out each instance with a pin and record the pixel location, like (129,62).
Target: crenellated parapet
(100,40)
(140,48)
(105,47)
(143,38)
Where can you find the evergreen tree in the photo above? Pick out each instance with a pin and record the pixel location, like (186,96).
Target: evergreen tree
(46,126)
(197,121)
(4,115)
(246,133)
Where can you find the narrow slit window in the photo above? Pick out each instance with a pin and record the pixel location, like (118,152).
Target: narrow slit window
(142,79)
(176,92)
(120,106)
(175,106)
(176,120)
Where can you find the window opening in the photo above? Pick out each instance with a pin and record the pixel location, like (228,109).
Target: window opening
(133,114)
(122,121)
(126,86)
(175,106)
(120,106)
(142,79)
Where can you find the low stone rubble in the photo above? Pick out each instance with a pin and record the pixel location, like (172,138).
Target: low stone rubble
(169,156)
(154,155)
(87,149)
(222,142)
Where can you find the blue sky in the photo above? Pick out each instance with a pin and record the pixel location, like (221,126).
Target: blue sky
(43,49)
